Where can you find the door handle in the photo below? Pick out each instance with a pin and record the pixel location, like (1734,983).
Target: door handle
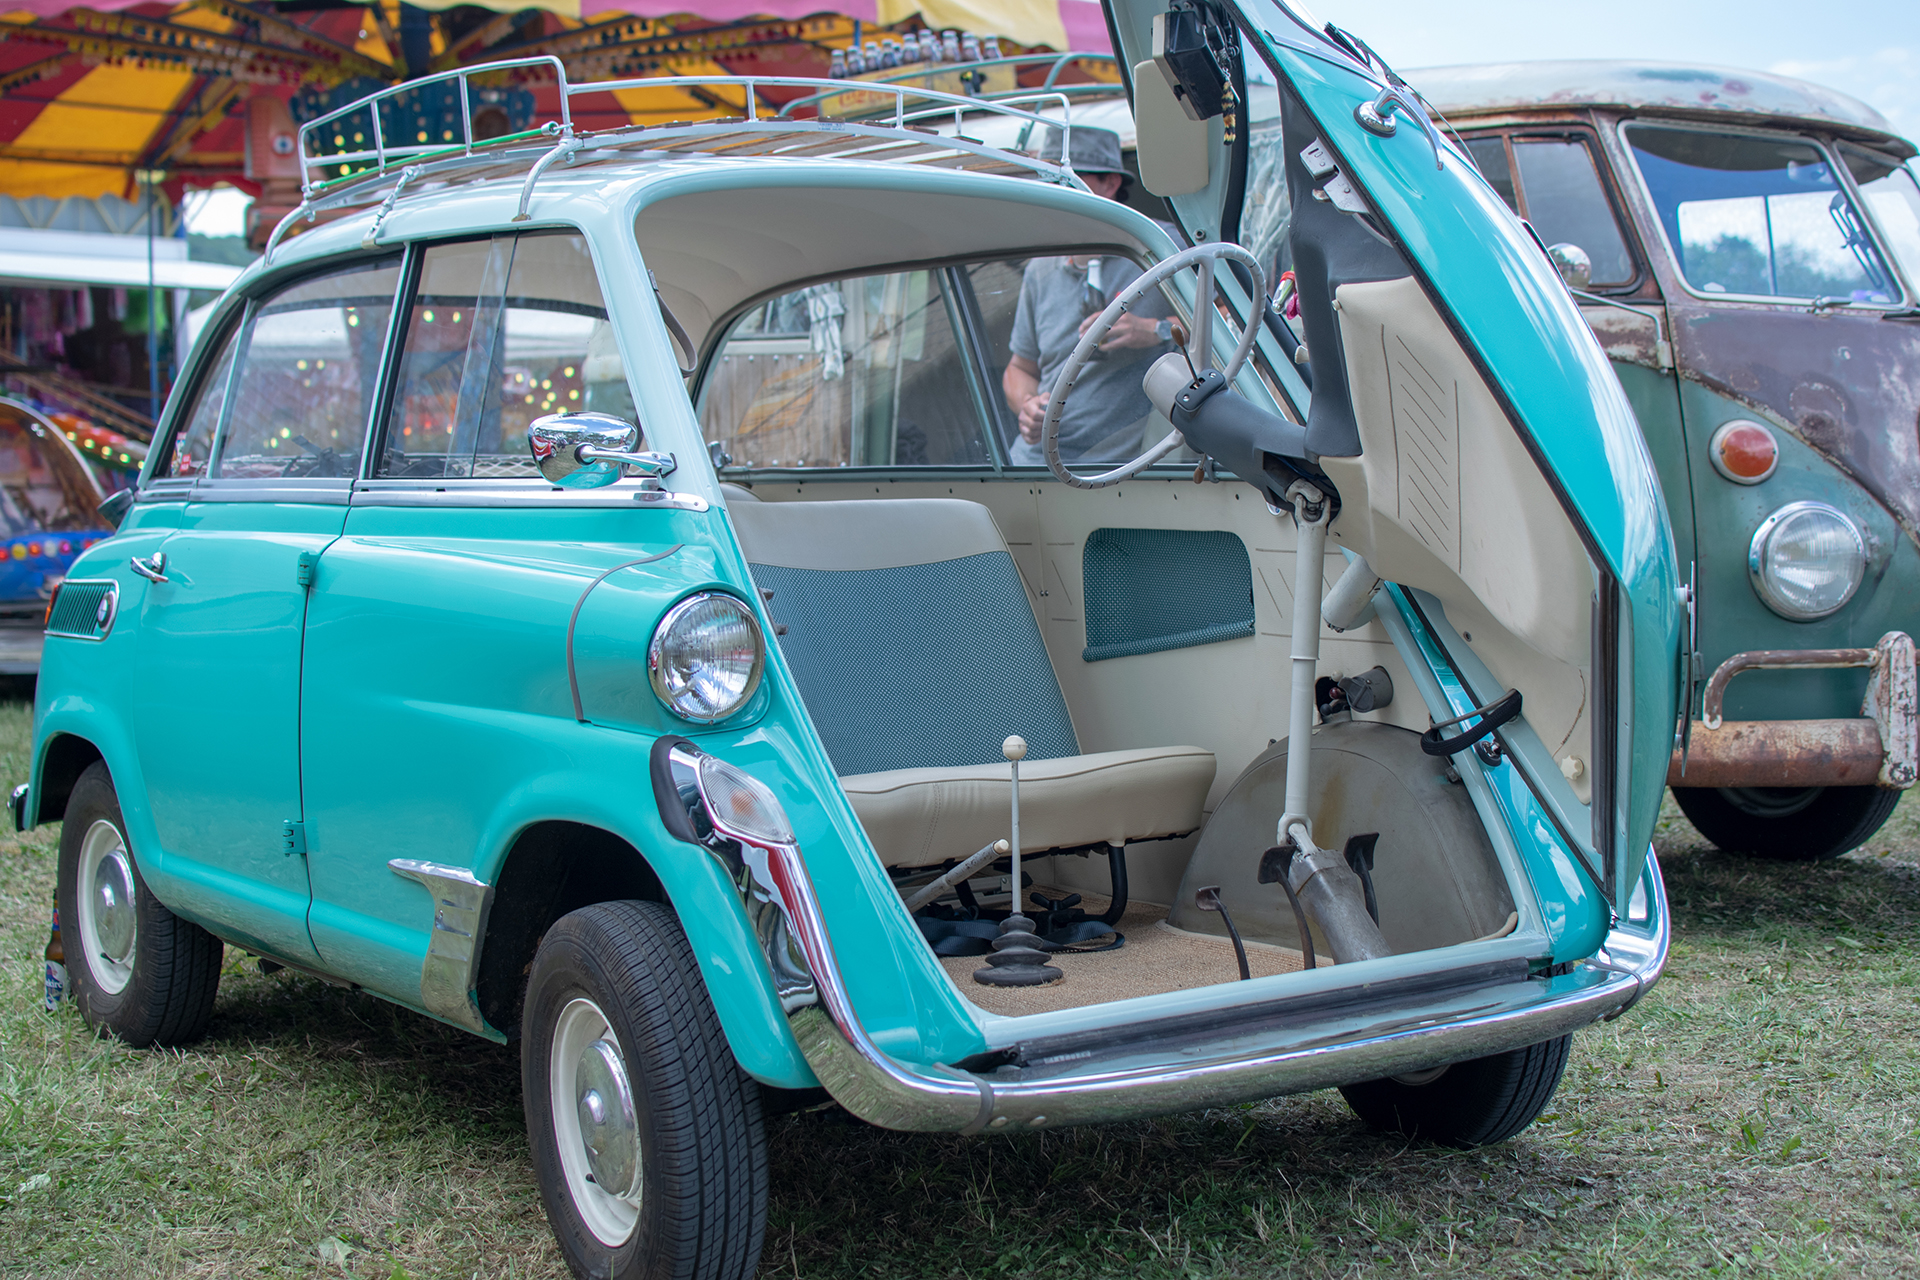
(153,569)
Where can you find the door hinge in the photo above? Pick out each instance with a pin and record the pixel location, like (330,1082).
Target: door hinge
(303,567)
(293,838)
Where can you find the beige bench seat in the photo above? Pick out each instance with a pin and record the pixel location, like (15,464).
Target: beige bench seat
(914,645)
(921,816)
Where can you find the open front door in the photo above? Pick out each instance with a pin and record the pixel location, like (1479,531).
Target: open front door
(1485,455)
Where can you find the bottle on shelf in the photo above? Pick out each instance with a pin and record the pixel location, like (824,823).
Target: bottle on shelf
(837,69)
(930,50)
(950,45)
(56,962)
(969,48)
(889,53)
(990,49)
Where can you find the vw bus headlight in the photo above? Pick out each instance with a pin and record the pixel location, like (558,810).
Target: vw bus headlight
(706,656)
(1806,561)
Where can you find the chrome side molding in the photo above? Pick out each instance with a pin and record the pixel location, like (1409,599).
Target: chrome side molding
(460,905)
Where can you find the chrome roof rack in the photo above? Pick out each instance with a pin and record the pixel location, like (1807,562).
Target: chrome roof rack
(382,171)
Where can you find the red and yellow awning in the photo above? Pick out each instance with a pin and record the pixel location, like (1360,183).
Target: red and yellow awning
(93,98)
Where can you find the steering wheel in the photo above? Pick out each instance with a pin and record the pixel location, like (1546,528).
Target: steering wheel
(1203,256)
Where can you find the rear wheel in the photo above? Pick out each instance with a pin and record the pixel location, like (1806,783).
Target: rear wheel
(1467,1104)
(138,971)
(1790,824)
(647,1137)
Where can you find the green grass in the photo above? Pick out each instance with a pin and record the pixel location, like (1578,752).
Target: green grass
(1759,1112)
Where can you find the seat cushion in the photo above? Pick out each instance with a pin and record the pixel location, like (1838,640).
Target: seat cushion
(919,817)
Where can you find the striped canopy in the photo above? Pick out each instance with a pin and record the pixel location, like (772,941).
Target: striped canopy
(95,100)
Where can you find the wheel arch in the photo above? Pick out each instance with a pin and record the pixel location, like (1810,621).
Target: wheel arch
(556,866)
(63,758)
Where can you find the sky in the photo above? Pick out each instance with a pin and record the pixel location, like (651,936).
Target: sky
(1868,48)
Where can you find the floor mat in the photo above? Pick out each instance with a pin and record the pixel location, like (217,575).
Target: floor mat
(1157,958)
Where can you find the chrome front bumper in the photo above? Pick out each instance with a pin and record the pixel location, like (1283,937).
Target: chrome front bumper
(1229,1056)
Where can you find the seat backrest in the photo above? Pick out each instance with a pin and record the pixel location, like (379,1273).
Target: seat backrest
(909,632)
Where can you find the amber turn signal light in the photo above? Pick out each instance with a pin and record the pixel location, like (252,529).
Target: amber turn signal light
(1744,451)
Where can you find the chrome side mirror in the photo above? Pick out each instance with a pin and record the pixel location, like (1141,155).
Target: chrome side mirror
(588,450)
(1573,264)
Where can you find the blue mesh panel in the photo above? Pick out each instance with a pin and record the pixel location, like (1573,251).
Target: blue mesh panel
(1153,589)
(919,667)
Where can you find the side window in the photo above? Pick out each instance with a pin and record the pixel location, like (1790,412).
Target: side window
(864,372)
(1759,216)
(309,359)
(499,332)
(1894,198)
(1552,183)
(193,439)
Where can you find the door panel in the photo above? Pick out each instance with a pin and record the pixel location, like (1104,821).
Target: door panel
(217,725)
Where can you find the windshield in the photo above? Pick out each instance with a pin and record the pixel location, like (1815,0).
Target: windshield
(1758,216)
(1893,198)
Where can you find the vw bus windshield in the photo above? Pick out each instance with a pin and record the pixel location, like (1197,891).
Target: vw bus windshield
(1758,216)
(1893,198)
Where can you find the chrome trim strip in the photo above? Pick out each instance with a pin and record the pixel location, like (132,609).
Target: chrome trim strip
(1214,1071)
(460,904)
(536,493)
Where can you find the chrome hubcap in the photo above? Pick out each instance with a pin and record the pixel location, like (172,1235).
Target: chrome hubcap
(594,1120)
(108,924)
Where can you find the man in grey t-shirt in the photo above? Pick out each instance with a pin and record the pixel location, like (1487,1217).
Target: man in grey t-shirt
(1059,298)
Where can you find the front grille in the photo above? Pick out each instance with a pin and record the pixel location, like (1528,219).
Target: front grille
(84,610)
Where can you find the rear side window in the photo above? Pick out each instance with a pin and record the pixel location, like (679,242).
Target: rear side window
(863,372)
(308,361)
(1758,216)
(499,332)
(1552,183)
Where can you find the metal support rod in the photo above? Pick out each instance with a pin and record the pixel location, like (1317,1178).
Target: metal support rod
(927,893)
(1310,513)
(1015,749)
(1203,319)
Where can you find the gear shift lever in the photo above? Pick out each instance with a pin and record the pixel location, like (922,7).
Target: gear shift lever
(1017,959)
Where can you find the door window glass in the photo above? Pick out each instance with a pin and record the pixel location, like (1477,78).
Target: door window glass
(1567,204)
(863,372)
(310,358)
(1267,210)
(1490,158)
(193,440)
(1894,200)
(500,332)
(1758,216)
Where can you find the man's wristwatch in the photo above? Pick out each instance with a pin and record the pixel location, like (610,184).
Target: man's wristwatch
(1164,331)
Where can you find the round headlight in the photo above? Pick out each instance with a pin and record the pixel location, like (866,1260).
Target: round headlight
(706,656)
(1806,561)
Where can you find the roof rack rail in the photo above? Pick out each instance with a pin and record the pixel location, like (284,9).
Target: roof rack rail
(385,168)
(1059,61)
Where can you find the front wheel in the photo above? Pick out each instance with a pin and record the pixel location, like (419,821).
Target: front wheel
(138,971)
(1787,824)
(647,1137)
(1468,1104)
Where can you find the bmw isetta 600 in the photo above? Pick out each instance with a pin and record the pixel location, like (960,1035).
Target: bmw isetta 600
(585,593)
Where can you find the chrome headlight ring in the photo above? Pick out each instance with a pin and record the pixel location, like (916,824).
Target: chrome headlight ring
(706,657)
(1806,560)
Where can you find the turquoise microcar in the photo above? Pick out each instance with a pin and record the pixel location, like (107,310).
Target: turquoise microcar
(593,589)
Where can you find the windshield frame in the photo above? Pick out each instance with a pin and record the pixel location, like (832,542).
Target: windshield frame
(1907,272)
(1835,165)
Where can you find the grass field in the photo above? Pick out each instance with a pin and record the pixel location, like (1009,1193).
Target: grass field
(1759,1112)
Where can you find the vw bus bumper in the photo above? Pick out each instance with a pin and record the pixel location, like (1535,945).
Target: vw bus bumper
(1878,748)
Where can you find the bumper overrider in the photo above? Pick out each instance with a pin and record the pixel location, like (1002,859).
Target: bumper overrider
(1172,1064)
(1878,748)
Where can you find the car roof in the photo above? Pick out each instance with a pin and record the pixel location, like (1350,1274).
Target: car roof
(1662,88)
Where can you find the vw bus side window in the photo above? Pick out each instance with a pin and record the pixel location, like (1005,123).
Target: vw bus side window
(1893,198)
(1758,216)
(309,359)
(863,372)
(1552,183)
(500,332)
